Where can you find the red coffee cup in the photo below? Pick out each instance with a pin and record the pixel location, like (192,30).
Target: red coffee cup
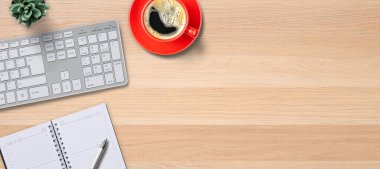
(165,46)
(188,30)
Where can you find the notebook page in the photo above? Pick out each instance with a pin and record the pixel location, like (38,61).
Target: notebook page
(83,132)
(32,148)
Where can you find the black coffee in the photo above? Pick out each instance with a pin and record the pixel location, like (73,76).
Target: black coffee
(156,23)
(165,19)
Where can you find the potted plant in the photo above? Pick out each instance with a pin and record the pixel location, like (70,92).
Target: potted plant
(28,11)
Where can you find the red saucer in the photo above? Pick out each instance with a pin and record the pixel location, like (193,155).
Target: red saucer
(158,46)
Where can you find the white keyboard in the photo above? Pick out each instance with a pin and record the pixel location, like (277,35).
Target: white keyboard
(61,63)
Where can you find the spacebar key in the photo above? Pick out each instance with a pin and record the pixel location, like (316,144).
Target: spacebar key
(38,80)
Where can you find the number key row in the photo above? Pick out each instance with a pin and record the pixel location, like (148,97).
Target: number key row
(60,55)
(97,69)
(95,59)
(87,71)
(59,45)
(93,38)
(66,86)
(23,42)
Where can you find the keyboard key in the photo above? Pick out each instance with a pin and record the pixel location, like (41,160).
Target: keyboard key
(49,47)
(48,38)
(56,87)
(82,40)
(58,36)
(2,99)
(30,50)
(20,62)
(112,35)
(102,37)
(50,57)
(3,46)
(71,53)
(66,86)
(2,87)
(68,34)
(59,45)
(86,61)
(33,81)
(34,40)
(11,85)
(94,81)
(2,66)
(109,78)
(107,67)
(97,69)
(24,42)
(104,47)
(77,85)
(65,75)
(92,39)
(13,53)
(69,43)
(83,51)
(94,48)
(36,64)
(4,76)
(87,71)
(118,68)
(14,44)
(115,50)
(10,64)
(95,59)
(61,55)
(14,74)
(24,72)
(22,95)
(106,57)
(38,92)
(3,55)
(11,98)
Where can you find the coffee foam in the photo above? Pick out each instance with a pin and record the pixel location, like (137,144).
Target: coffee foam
(171,13)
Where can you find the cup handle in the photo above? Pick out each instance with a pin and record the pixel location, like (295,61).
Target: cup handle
(192,32)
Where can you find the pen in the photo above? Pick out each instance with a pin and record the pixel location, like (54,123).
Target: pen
(100,154)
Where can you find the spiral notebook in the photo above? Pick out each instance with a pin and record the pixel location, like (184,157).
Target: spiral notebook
(70,142)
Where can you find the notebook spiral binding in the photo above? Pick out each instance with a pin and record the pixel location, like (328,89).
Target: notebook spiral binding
(59,146)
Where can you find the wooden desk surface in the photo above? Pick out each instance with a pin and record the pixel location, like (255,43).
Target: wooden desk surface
(269,84)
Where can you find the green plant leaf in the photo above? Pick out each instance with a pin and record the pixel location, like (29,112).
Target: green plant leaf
(16,1)
(29,14)
(28,23)
(42,6)
(21,9)
(36,13)
(19,20)
(15,15)
(15,7)
(10,7)
(23,18)
(31,1)
(34,20)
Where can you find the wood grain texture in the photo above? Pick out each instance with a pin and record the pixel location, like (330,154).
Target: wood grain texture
(269,84)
